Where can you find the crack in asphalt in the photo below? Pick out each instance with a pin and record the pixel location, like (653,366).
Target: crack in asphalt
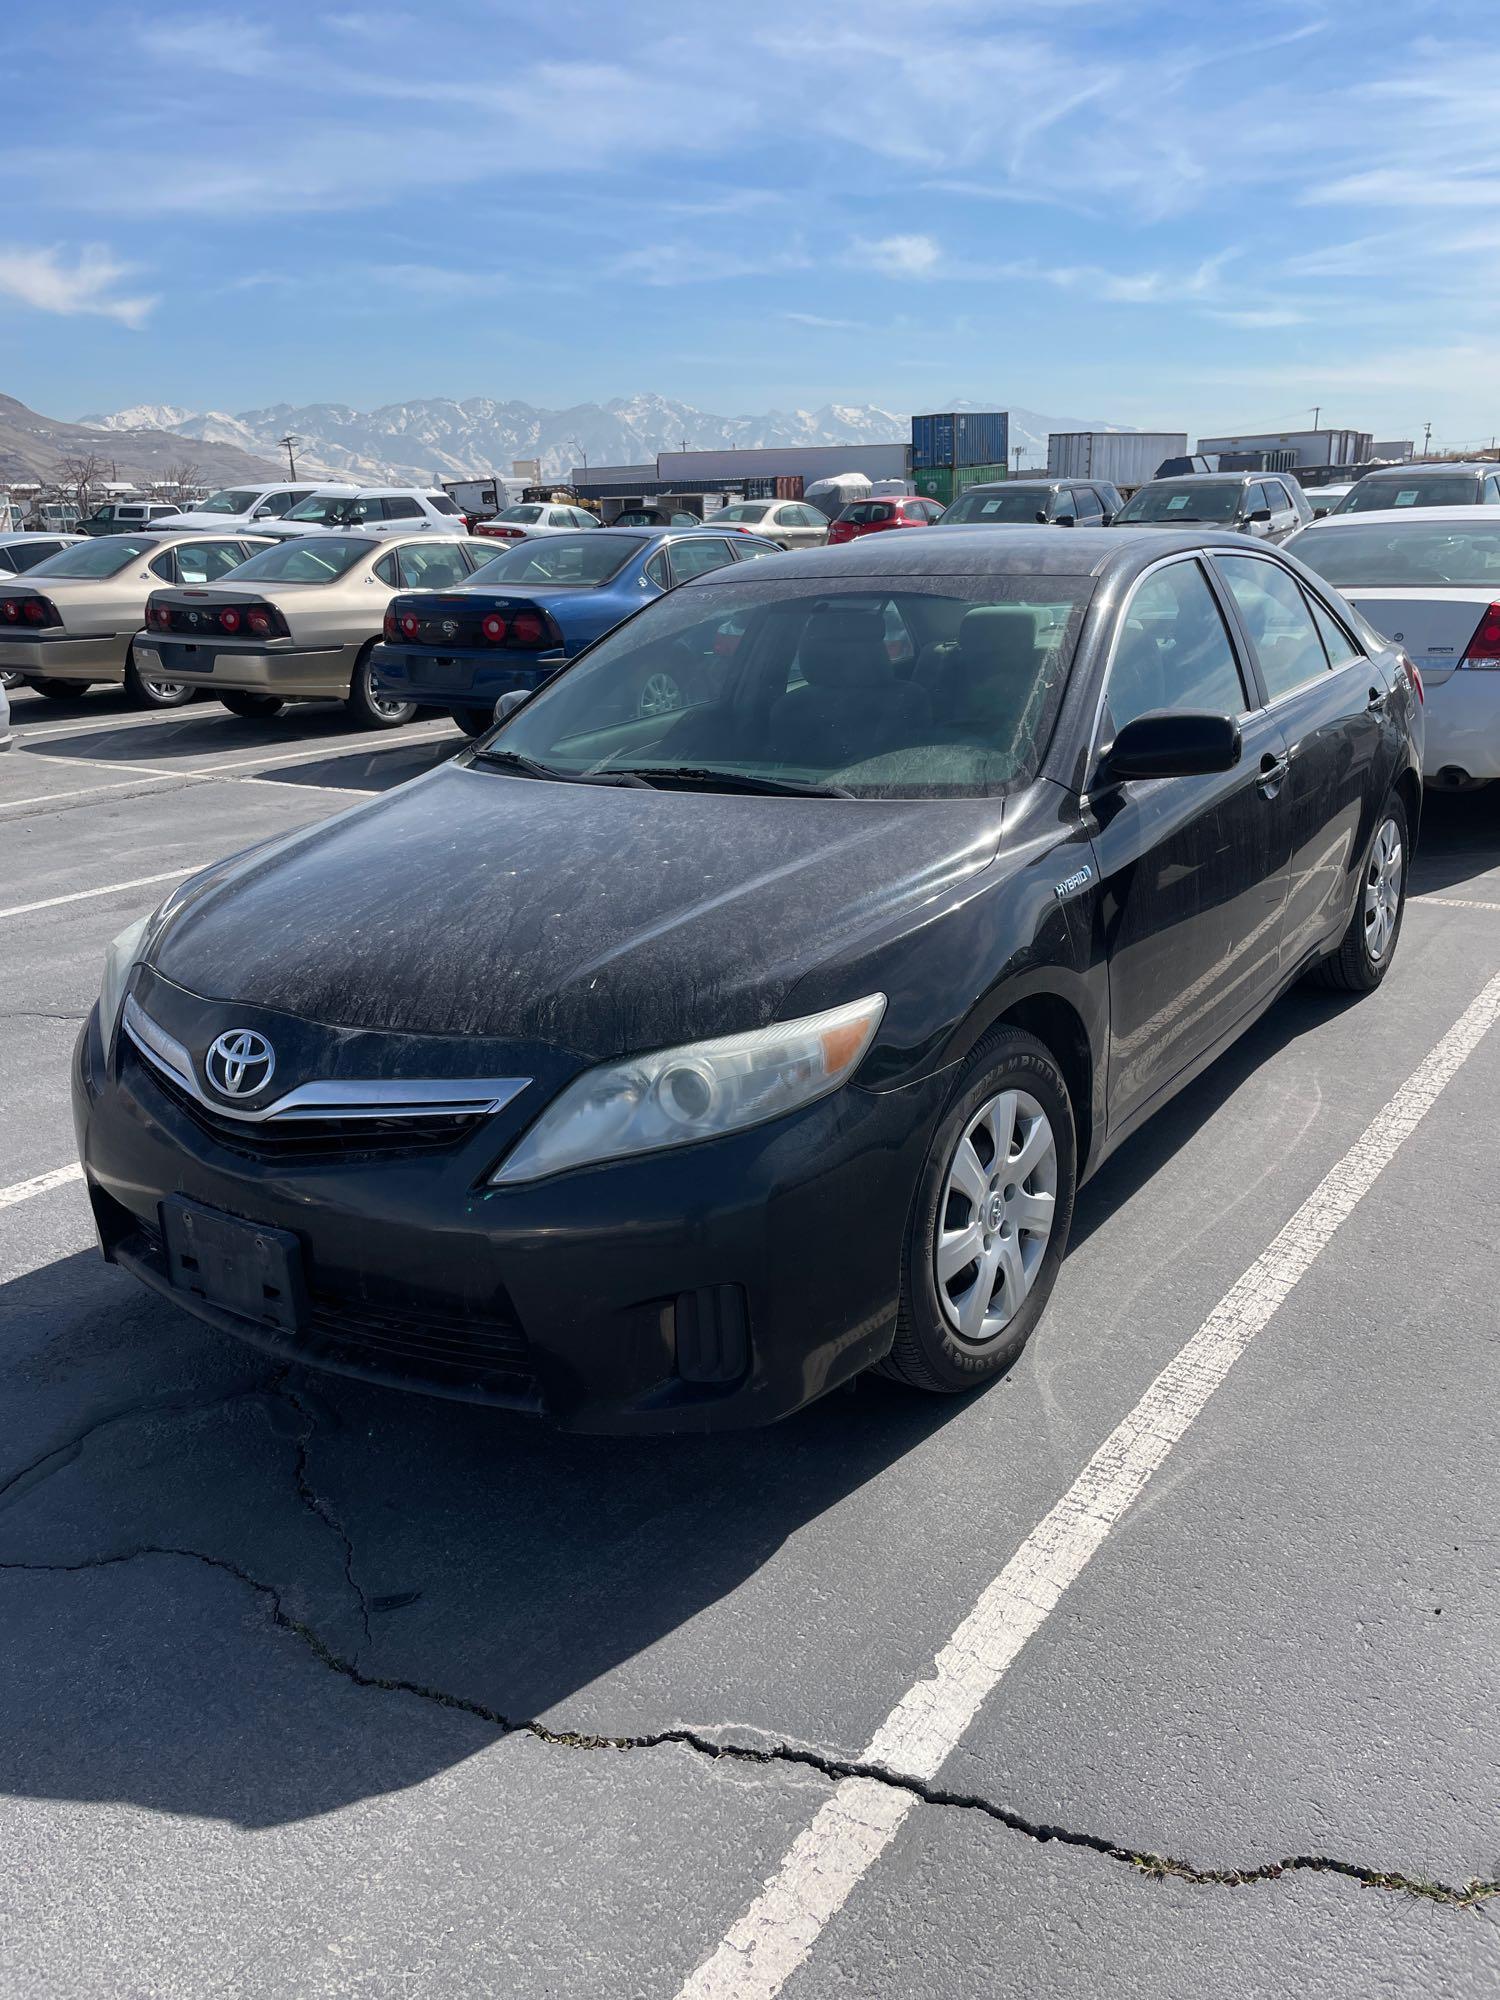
(314,1501)
(59,1455)
(1468,1896)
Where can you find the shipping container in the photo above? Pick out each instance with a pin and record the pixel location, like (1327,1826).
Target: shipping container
(934,482)
(1307,447)
(960,437)
(1124,458)
(778,486)
(965,476)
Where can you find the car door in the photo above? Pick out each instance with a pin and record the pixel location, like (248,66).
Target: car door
(1193,870)
(1329,700)
(1064,509)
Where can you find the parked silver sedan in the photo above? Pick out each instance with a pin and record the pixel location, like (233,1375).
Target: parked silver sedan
(72,621)
(791,524)
(299,622)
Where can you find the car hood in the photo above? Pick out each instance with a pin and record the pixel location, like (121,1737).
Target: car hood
(593,918)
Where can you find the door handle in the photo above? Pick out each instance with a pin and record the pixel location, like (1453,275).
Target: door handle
(1273,771)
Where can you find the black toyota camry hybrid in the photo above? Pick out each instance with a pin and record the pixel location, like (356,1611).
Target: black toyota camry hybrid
(662,1070)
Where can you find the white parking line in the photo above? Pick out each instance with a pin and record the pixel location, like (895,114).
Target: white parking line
(109,889)
(111,764)
(852,1829)
(39,1184)
(1455,902)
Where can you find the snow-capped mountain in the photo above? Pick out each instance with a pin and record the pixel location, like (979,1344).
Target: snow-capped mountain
(436,437)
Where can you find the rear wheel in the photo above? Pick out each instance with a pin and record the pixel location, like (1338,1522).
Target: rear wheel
(1369,944)
(990,1221)
(474,721)
(10,680)
(254,707)
(369,708)
(57,690)
(146,692)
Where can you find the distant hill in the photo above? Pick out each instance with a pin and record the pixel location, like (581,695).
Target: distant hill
(436,437)
(33,447)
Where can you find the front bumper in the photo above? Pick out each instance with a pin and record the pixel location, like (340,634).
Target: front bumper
(462,680)
(298,674)
(66,659)
(714,1287)
(1462,719)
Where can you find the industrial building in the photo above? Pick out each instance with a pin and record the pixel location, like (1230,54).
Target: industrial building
(728,470)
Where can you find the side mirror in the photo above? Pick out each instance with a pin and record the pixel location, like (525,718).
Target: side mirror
(1041,517)
(1173,743)
(1107,520)
(510,701)
(1066,521)
(1259,518)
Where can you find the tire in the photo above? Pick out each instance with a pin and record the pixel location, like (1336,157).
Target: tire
(253,707)
(10,680)
(367,709)
(474,721)
(57,690)
(144,693)
(1369,944)
(1012,1081)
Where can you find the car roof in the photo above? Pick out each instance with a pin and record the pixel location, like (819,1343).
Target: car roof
(1206,478)
(1020,551)
(24,535)
(1467,516)
(1478,468)
(1003,485)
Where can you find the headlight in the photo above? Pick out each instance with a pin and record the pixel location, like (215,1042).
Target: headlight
(119,962)
(699,1091)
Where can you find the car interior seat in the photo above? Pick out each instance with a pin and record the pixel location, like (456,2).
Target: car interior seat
(852,707)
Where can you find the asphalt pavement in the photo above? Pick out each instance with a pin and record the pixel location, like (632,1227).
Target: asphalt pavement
(1168,1667)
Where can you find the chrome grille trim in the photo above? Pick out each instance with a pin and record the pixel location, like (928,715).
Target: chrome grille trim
(357,1097)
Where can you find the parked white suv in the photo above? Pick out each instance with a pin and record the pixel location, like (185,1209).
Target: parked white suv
(244,506)
(373,510)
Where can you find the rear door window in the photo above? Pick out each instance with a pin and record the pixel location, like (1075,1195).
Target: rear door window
(164,566)
(206,562)
(433,566)
(698,556)
(1086,501)
(388,570)
(1280,625)
(1339,647)
(399,508)
(657,571)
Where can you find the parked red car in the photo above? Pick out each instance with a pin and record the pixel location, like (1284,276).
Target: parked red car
(867,517)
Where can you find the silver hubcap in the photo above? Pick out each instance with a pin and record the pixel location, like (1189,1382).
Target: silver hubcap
(995,1215)
(383,704)
(660,696)
(1383,891)
(165,690)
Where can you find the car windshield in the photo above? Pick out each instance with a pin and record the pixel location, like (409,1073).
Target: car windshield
(1184,500)
(105,557)
(1405,552)
(528,512)
(314,559)
(233,500)
(335,510)
(561,559)
(940,688)
(746,510)
(1017,503)
(1422,489)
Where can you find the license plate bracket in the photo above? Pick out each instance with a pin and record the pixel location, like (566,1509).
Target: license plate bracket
(245,1268)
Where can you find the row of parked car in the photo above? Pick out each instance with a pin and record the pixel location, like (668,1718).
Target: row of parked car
(335,599)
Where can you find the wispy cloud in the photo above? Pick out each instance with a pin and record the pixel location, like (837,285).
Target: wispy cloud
(825,321)
(49,281)
(897,256)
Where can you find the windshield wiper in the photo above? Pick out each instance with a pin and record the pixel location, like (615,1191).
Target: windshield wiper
(528,767)
(698,777)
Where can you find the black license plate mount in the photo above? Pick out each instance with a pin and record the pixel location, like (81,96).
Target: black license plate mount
(245,1268)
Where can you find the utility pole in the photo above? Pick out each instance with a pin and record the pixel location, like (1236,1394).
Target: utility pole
(1317,412)
(1017,455)
(1426,438)
(290,443)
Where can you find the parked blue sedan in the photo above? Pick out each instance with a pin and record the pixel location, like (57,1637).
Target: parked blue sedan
(514,622)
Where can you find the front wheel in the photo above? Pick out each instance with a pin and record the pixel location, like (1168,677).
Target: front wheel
(990,1221)
(253,707)
(147,693)
(10,680)
(368,707)
(1369,944)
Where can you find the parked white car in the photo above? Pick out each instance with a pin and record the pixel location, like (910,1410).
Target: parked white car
(518,523)
(242,506)
(373,510)
(1429,579)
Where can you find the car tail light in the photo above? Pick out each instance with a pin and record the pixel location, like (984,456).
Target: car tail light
(410,624)
(229,619)
(391,628)
(159,616)
(10,610)
(28,611)
(499,531)
(1483,650)
(494,628)
(841,531)
(1413,674)
(530,629)
(259,622)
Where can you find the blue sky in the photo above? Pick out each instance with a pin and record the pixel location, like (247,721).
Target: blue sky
(1190,215)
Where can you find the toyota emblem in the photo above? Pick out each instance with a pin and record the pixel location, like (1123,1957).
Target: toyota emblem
(240,1063)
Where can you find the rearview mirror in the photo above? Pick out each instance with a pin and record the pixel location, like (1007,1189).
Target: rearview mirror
(510,701)
(1174,743)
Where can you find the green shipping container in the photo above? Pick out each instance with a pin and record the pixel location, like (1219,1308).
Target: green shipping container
(976,475)
(934,483)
